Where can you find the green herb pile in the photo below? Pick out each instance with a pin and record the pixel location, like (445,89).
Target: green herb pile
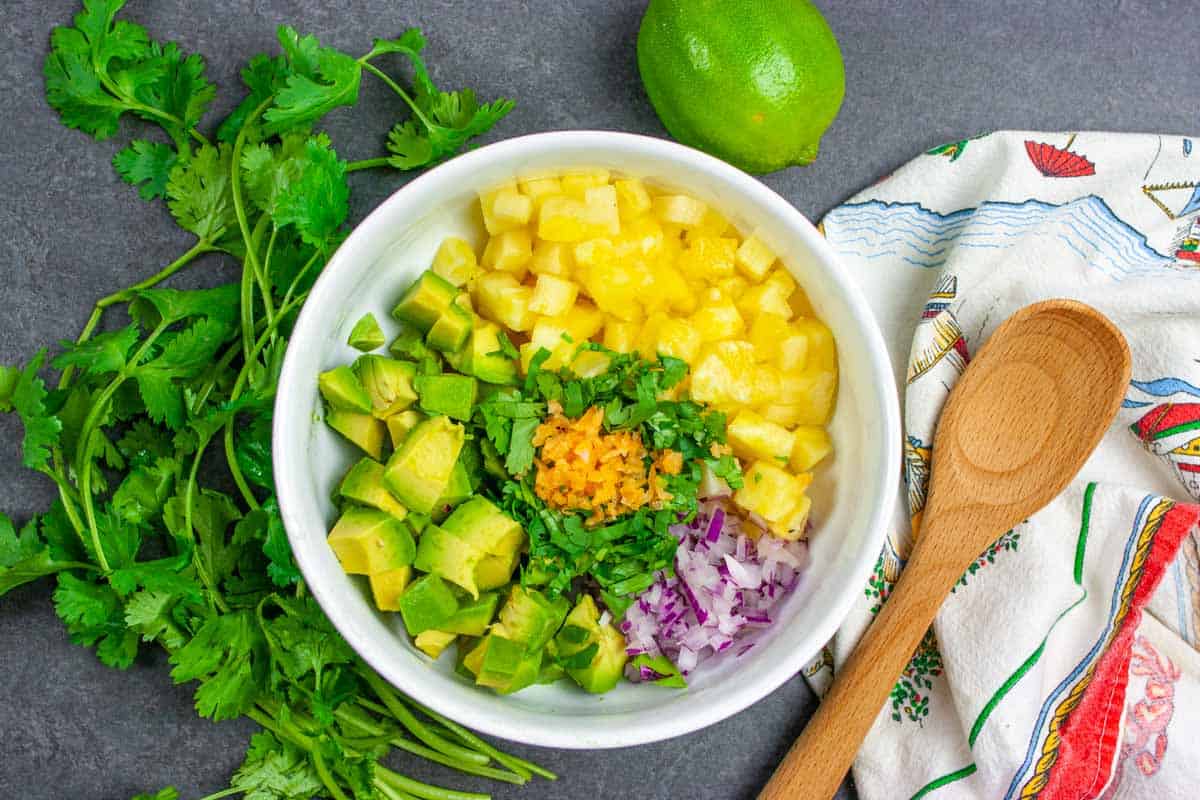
(623,556)
(143,543)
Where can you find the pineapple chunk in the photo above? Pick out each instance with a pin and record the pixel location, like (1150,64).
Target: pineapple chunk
(538,188)
(766,298)
(601,205)
(679,338)
(792,350)
(509,252)
(724,375)
(767,334)
(753,437)
(594,251)
(590,363)
(552,258)
(504,208)
(712,224)
(795,526)
(642,237)
(782,278)
(733,286)
(616,287)
(455,261)
(621,336)
(501,299)
(766,384)
(717,320)
(812,392)
(708,258)
(679,209)
(552,296)
(562,335)
(786,415)
(563,219)
(801,305)
(754,258)
(671,289)
(633,200)
(647,341)
(769,491)
(822,350)
(810,446)
(576,184)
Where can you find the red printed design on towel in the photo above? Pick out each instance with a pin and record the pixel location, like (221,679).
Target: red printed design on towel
(1146,720)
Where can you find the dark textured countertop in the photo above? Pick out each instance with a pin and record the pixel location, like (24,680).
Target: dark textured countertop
(918,74)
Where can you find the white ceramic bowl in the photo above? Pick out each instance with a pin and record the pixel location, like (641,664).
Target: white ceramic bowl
(853,494)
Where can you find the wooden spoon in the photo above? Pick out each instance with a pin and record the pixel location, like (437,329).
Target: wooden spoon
(1018,426)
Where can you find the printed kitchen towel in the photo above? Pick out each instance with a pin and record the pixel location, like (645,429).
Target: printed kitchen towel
(1065,663)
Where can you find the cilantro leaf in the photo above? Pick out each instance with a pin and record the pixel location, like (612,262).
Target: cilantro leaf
(165,306)
(8,384)
(41,427)
(168,793)
(141,495)
(199,194)
(152,614)
(276,770)
(182,90)
(74,88)
(268,170)
(95,617)
(228,655)
(321,80)
(317,201)
(103,353)
(520,446)
(185,355)
(16,547)
(263,76)
(146,165)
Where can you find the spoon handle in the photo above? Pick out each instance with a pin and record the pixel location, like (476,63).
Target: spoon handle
(819,760)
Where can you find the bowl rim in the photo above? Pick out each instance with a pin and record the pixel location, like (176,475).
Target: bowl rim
(290,457)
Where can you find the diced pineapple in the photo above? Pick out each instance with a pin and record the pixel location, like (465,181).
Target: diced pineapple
(504,208)
(538,188)
(766,298)
(769,491)
(781,277)
(641,237)
(766,384)
(792,352)
(621,336)
(591,252)
(562,335)
(754,258)
(552,258)
(563,219)
(724,375)
(552,295)
(679,209)
(671,289)
(795,526)
(822,350)
(590,363)
(810,446)
(767,333)
(616,287)
(708,258)
(717,320)
(753,437)
(679,338)
(647,341)
(711,224)
(455,260)
(801,305)
(577,183)
(784,414)
(501,299)
(510,251)
(633,200)
(813,393)
(733,286)
(601,205)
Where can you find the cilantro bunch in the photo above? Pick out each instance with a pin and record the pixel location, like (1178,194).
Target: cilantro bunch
(147,542)
(623,556)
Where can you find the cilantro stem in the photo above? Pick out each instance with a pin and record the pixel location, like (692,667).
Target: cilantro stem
(251,266)
(369,163)
(202,569)
(326,776)
(424,790)
(232,790)
(405,717)
(395,87)
(390,793)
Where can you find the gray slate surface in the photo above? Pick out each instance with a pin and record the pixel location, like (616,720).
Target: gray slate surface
(918,74)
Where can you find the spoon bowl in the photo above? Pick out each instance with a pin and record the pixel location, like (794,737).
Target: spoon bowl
(1020,423)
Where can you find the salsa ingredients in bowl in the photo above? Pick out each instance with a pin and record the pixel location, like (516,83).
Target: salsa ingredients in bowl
(586,452)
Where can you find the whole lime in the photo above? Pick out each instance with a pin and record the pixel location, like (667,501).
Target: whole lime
(753,82)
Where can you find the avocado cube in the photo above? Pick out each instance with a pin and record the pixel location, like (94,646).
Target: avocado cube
(449,333)
(551,670)
(343,391)
(506,666)
(458,490)
(419,472)
(466,645)
(399,425)
(594,654)
(386,587)
(426,604)
(472,662)
(482,523)
(531,617)
(361,429)
(364,484)
(367,541)
(487,361)
(388,383)
(492,572)
(366,334)
(473,618)
(607,666)
(452,395)
(433,642)
(425,300)
(446,555)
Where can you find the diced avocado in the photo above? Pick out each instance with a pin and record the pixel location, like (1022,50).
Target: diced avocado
(466,645)
(433,642)
(661,665)
(425,300)
(492,572)
(487,360)
(446,555)
(364,484)
(399,425)
(473,660)
(473,618)
(506,666)
(531,617)
(450,331)
(452,395)
(460,359)
(368,541)
(551,670)
(419,472)
(387,587)
(366,334)
(342,390)
(410,345)
(361,429)
(426,604)
(493,464)
(482,523)
(458,490)
(592,654)
(388,383)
